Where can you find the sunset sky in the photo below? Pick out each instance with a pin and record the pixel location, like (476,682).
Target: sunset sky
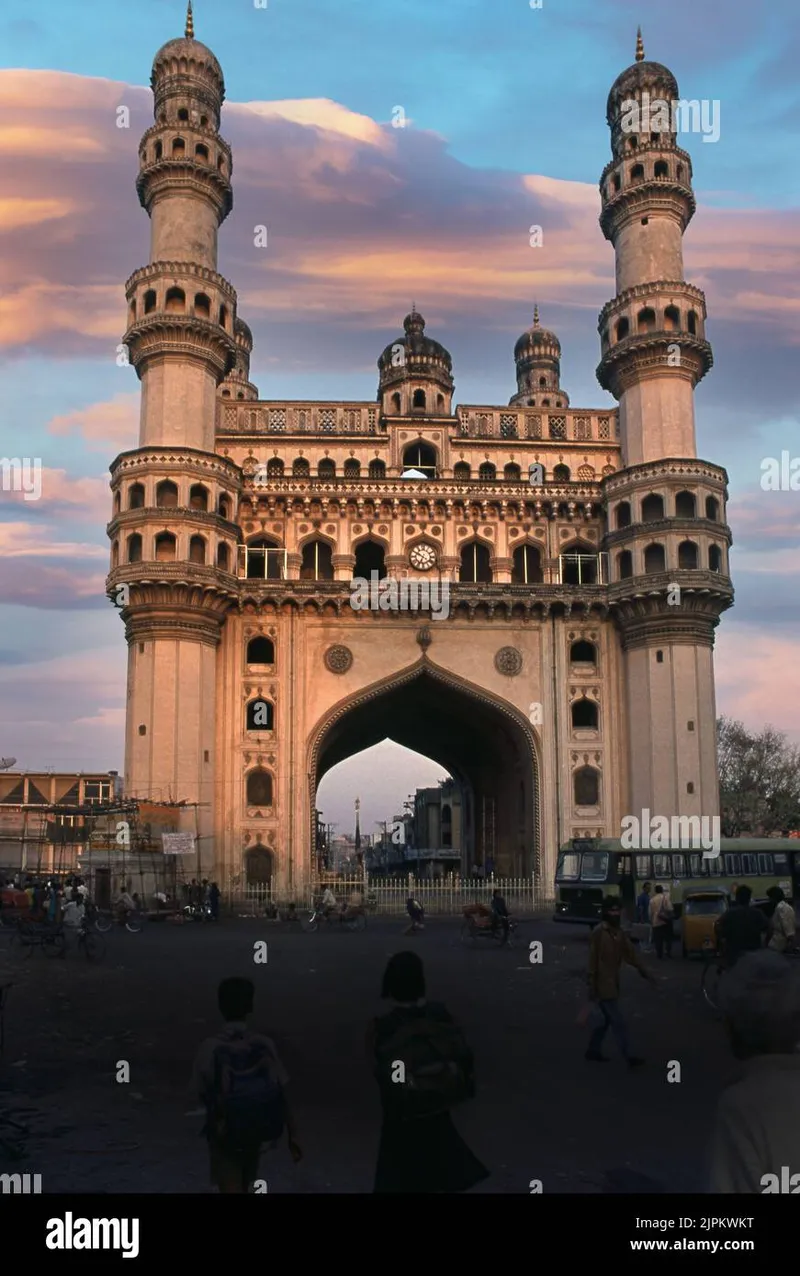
(505,111)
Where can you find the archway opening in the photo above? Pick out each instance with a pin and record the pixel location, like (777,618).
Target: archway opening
(487,750)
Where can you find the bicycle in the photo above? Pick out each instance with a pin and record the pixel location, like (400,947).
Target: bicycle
(472,930)
(132,920)
(711,981)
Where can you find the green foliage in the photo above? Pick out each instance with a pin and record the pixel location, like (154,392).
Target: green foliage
(759,780)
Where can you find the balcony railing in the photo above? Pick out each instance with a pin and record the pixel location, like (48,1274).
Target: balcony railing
(582,569)
(262,563)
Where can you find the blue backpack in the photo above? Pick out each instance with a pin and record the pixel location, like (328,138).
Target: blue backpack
(247,1104)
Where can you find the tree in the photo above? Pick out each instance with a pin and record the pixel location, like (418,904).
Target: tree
(759,780)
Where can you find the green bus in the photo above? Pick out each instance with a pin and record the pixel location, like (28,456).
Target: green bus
(589,869)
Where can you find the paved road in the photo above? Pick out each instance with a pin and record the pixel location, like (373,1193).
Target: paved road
(542,1112)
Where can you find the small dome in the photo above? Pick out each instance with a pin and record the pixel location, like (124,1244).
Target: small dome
(189,49)
(642,75)
(416,344)
(241,330)
(536,336)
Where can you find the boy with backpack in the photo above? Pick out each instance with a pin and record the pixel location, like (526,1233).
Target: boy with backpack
(241,1081)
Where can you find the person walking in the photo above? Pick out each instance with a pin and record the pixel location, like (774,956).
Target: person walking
(662,921)
(782,923)
(241,1081)
(423,1067)
(609,949)
(213,901)
(417,914)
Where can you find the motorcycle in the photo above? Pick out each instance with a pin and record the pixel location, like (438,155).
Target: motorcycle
(197,913)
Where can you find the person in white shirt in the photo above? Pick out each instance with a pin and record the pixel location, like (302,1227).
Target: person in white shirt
(329,904)
(783,925)
(73,914)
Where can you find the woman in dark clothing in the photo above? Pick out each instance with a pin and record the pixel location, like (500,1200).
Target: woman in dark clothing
(426,1154)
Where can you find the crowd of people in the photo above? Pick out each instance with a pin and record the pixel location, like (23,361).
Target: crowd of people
(424,1068)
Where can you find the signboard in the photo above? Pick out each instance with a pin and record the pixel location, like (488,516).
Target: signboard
(178,843)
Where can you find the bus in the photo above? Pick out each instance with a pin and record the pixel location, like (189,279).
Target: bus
(590,869)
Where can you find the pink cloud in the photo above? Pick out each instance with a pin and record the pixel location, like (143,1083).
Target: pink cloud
(353,222)
(105,427)
(758,678)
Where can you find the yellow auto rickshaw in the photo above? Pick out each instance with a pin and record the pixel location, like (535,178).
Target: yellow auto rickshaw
(700,912)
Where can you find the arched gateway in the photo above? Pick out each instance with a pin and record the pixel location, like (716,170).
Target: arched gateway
(516,619)
(485,743)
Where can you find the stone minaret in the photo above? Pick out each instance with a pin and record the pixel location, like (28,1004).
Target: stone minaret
(667,536)
(174,543)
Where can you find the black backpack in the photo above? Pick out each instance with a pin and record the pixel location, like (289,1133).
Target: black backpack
(438,1071)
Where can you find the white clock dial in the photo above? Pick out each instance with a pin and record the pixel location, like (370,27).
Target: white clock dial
(423,557)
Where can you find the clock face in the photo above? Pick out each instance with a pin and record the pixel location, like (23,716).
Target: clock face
(423,557)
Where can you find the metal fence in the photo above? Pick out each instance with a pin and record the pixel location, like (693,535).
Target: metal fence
(386,896)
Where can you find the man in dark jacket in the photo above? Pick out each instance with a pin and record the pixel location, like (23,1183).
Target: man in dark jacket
(608,950)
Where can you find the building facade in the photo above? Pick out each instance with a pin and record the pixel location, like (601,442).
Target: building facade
(582,552)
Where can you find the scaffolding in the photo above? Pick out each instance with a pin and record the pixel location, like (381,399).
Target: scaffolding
(111,846)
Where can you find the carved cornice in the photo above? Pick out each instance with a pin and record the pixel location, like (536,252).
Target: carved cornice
(647,354)
(182,336)
(187,585)
(173,519)
(650,150)
(158,270)
(689,528)
(166,175)
(641,292)
(642,610)
(190,461)
(653,196)
(649,473)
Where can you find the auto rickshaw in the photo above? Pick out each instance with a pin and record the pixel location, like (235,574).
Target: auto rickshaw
(701,911)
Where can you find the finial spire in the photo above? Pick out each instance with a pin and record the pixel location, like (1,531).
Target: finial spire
(536,315)
(413,307)
(189,22)
(639,45)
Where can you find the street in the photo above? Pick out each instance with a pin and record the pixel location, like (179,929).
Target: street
(542,1112)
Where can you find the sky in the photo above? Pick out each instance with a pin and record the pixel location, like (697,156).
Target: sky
(504,112)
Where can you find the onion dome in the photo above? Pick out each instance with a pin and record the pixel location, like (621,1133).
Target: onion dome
(658,80)
(537,355)
(418,349)
(538,339)
(415,372)
(187,58)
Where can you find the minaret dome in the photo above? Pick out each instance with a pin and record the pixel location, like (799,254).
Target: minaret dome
(537,355)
